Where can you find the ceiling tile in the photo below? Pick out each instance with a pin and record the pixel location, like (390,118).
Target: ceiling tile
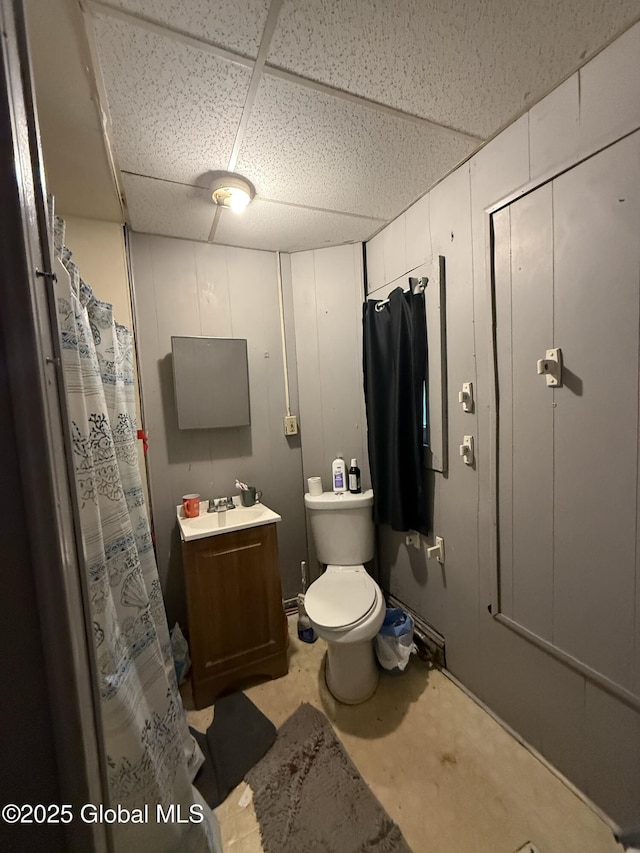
(311,148)
(234,24)
(160,207)
(471,66)
(279,227)
(175,109)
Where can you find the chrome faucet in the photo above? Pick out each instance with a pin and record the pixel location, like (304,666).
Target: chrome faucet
(220,504)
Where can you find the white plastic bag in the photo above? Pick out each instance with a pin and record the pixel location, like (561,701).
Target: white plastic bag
(180,650)
(394,642)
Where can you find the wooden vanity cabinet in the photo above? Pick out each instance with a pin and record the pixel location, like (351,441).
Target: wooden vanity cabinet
(237,625)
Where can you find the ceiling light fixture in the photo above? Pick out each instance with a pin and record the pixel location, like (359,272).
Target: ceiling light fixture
(232,191)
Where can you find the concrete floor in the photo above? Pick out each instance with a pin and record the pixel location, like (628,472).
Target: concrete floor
(445,771)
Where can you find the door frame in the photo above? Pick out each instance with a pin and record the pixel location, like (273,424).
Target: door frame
(45,500)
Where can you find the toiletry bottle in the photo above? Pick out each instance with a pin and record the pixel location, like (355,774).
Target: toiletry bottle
(354,478)
(339,472)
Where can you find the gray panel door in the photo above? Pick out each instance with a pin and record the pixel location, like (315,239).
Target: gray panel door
(524,318)
(597,250)
(567,274)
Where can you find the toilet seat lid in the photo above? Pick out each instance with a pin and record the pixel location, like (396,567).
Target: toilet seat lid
(340,598)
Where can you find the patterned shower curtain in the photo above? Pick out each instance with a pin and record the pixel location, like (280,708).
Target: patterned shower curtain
(151,756)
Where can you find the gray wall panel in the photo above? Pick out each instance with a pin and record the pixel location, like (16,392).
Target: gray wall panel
(496,170)
(295,476)
(418,234)
(560,706)
(597,269)
(327,287)
(636,660)
(612,747)
(290,337)
(511,677)
(194,289)
(308,361)
(147,332)
(268,461)
(308,366)
(456,495)
(158,468)
(213,289)
(531,405)
(447,597)
(405,572)
(541,698)
(610,92)
(339,296)
(252,291)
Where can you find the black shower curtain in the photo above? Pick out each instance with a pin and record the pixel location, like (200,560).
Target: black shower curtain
(395,372)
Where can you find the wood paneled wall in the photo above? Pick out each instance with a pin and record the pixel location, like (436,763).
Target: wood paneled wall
(187,288)
(328,292)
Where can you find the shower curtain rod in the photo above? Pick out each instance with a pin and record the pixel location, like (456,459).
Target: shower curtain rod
(419,283)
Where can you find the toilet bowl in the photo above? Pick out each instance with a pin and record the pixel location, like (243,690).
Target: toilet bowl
(345,605)
(346,608)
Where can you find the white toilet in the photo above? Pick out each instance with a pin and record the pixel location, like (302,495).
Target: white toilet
(345,605)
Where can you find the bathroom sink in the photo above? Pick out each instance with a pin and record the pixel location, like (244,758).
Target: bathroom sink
(215,523)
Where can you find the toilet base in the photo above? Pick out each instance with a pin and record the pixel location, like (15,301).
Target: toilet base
(351,671)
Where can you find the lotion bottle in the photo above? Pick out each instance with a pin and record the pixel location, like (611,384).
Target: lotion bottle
(339,475)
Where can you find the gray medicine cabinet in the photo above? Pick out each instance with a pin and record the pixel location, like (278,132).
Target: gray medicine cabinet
(211,381)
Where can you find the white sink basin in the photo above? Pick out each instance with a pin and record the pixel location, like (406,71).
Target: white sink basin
(215,523)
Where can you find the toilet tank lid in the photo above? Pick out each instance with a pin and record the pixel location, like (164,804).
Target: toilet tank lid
(341,500)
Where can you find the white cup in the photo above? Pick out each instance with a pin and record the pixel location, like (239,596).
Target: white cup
(315,485)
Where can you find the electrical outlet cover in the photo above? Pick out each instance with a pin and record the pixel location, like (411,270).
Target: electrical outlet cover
(290,425)
(413,538)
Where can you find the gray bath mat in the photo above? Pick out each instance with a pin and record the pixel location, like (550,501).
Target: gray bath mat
(308,796)
(237,738)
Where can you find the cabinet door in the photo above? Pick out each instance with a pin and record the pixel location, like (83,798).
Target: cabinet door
(566,274)
(235,600)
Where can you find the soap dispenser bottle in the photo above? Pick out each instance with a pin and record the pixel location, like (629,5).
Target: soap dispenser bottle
(339,475)
(354,478)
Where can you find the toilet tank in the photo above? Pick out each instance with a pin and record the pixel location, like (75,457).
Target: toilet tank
(342,527)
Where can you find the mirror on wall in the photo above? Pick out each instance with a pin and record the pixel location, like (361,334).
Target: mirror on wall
(211,380)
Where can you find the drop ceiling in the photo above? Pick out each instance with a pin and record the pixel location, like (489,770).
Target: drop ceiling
(341,113)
